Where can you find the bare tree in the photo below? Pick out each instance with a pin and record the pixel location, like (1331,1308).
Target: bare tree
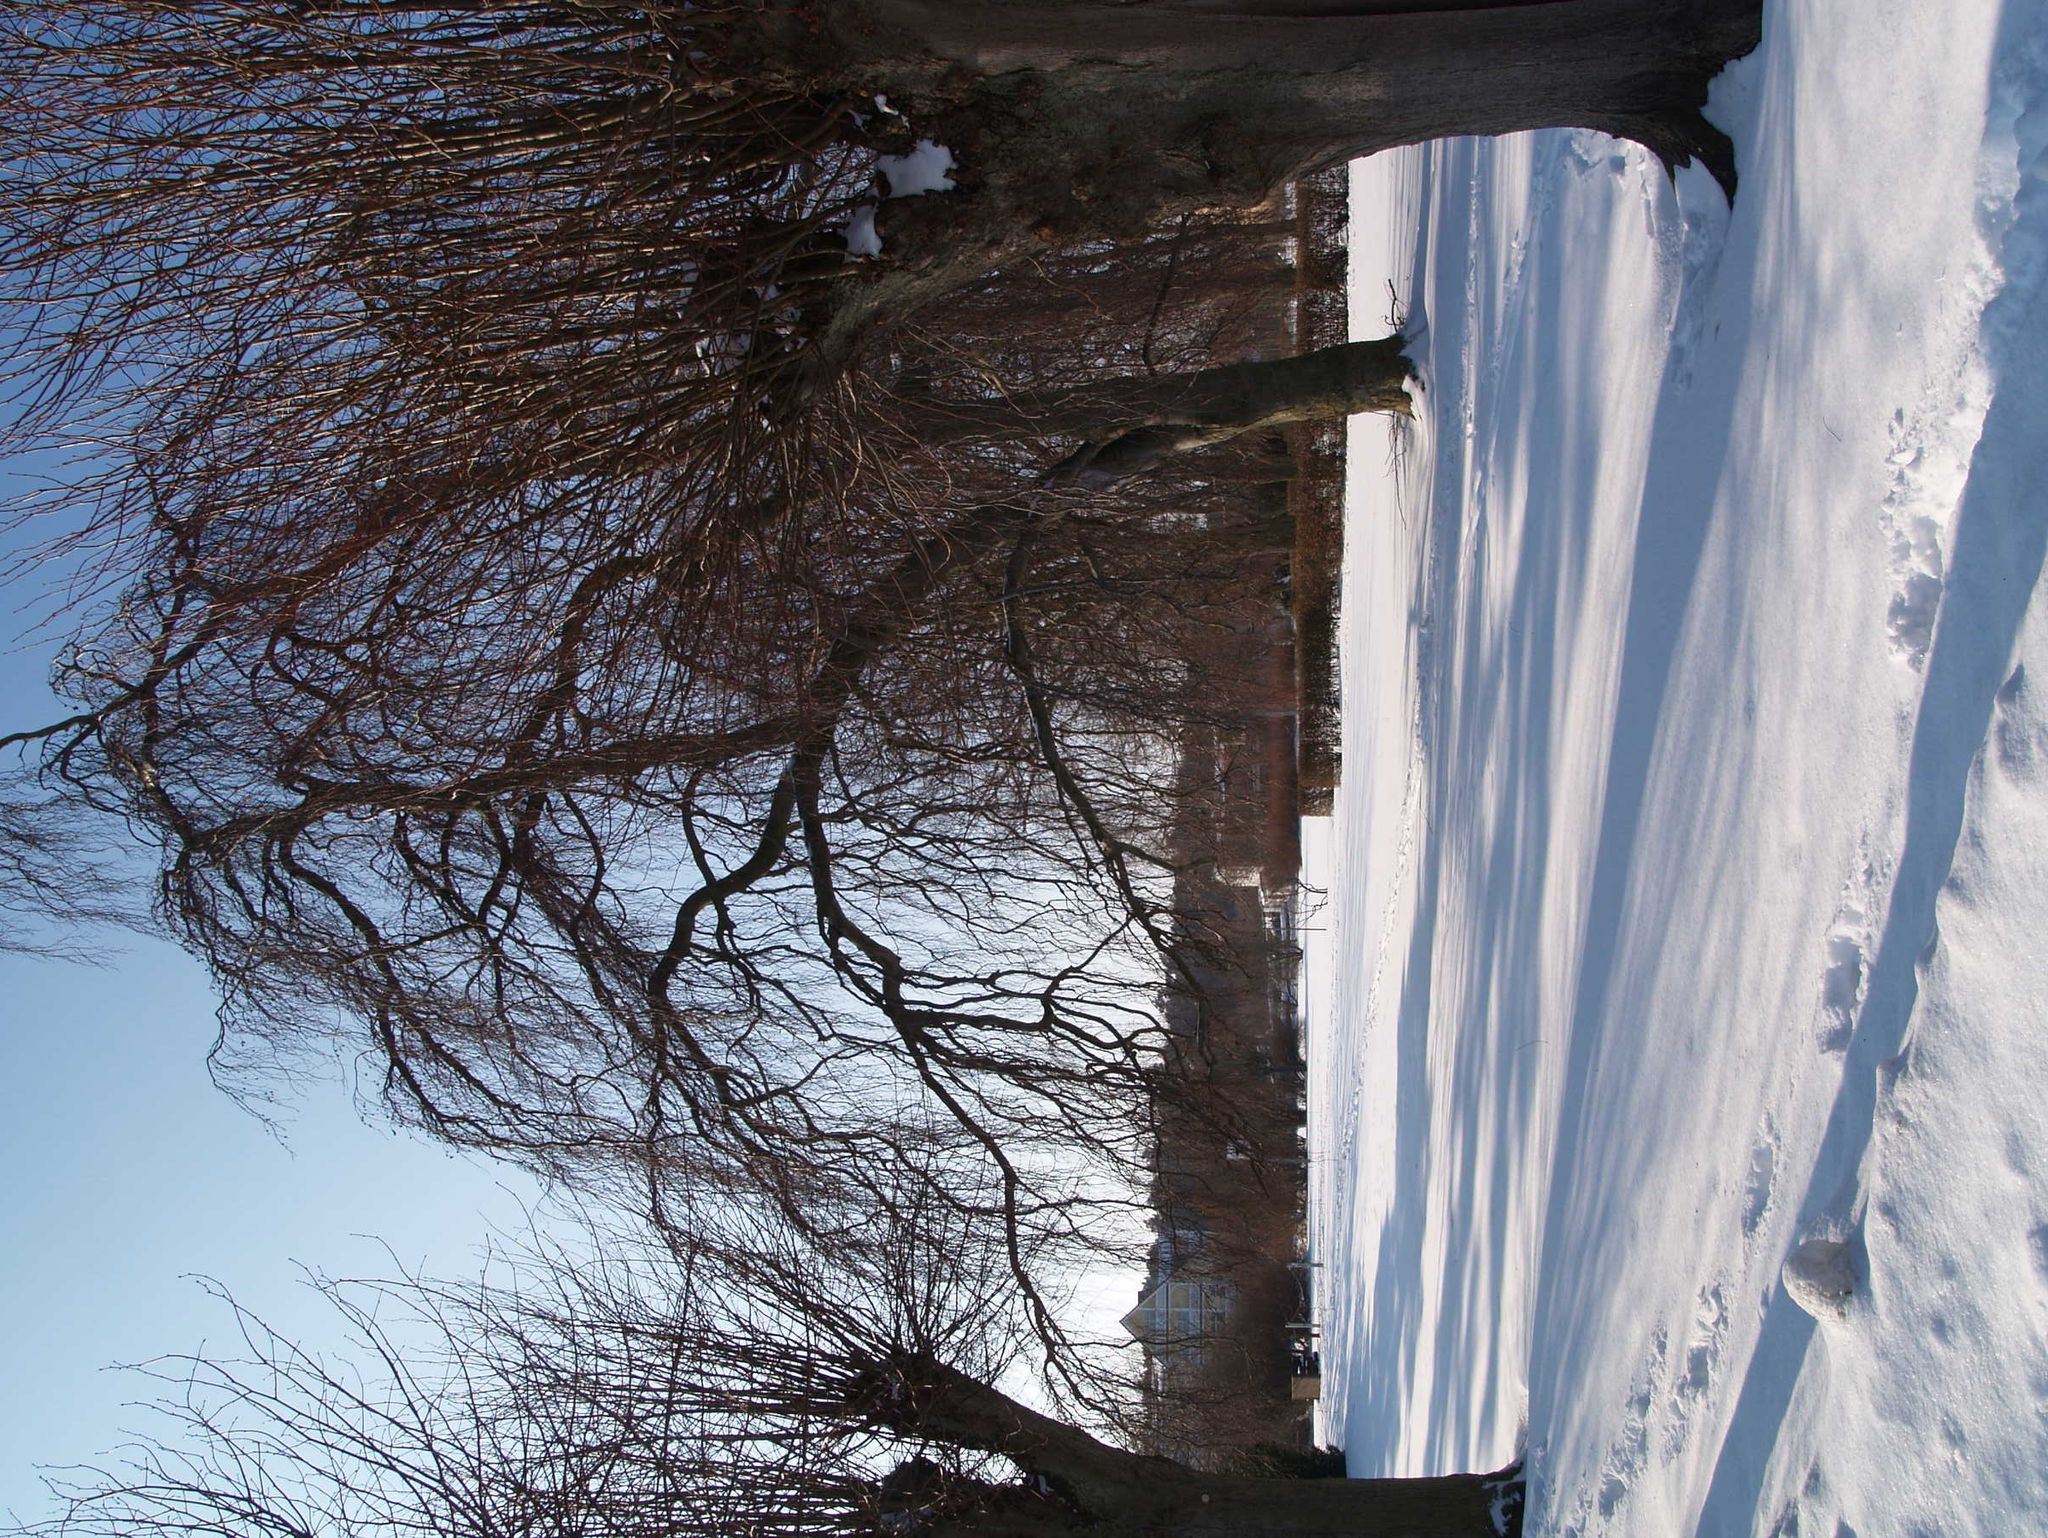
(700,695)
(722,151)
(696,801)
(774,1386)
(703,687)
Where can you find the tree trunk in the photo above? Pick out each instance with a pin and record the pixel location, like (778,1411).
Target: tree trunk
(1247,93)
(1110,1493)
(1096,121)
(1193,1505)
(1319,385)
(1134,422)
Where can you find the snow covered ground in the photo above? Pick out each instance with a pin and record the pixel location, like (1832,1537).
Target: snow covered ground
(1689,879)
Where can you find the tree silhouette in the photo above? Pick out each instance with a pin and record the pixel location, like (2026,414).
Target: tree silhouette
(848,1386)
(702,692)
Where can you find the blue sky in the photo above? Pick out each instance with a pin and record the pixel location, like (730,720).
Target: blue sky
(124,1173)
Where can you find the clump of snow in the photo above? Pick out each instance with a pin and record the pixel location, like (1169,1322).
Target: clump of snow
(1820,1278)
(924,169)
(862,238)
(1504,1499)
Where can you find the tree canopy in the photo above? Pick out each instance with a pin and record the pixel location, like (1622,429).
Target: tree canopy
(676,734)
(685,656)
(752,1383)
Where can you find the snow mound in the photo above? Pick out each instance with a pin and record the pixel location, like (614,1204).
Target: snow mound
(1820,1278)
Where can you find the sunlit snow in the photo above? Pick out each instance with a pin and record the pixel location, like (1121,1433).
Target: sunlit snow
(923,170)
(1688,872)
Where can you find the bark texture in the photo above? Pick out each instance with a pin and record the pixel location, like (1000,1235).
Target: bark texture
(1132,423)
(1095,120)
(1076,1484)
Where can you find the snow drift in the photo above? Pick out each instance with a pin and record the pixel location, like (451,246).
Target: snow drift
(1686,879)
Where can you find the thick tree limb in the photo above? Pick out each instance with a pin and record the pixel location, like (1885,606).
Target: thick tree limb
(1174,413)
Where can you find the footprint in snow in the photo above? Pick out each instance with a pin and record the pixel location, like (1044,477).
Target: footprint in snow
(1845,969)
(1812,1513)
(1841,990)
(1630,1453)
(1909,620)
(1756,1192)
(1913,522)
(1703,1356)
(2037,1244)
(1696,1371)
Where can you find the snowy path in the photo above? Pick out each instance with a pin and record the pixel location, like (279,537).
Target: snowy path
(1691,859)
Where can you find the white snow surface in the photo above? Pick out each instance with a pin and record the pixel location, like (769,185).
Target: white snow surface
(862,238)
(923,170)
(1689,877)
